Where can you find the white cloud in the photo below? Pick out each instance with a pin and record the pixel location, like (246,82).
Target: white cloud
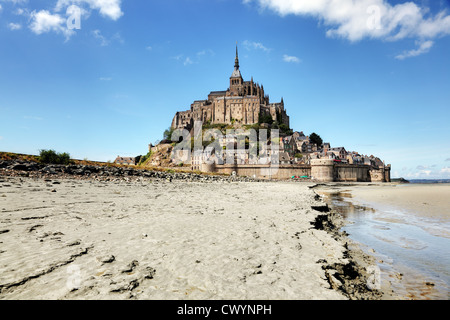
(207,52)
(43,21)
(445,170)
(117,37)
(19,11)
(104,41)
(255,45)
(149,48)
(419,174)
(98,35)
(107,8)
(187,61)
(423,48)
(287,58)
(14,26)
(14,2)
(375,19)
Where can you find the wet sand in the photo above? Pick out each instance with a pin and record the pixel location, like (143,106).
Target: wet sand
(407,229)
(427,200)
(145,239)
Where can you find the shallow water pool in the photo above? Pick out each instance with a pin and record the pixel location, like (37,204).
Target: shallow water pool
(413,254)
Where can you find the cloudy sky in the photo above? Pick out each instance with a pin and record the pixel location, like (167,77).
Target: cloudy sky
(99,78)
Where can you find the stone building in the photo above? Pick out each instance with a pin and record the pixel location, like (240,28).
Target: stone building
(339,152)
(288,145)
(131,161)
(242,103)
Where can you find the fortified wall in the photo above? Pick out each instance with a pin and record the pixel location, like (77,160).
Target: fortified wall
(327,170)
(321,170)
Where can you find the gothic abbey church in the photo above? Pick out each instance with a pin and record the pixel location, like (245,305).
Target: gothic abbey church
(243,103)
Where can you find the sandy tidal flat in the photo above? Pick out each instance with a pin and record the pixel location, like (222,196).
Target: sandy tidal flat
(69,239)
(426,200)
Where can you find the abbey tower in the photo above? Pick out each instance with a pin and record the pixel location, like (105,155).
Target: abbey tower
(243,103)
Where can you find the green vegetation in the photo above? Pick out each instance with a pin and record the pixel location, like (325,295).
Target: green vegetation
(315,138)
(298,155)
(144,158)
(265,118)
(255,127)
(137,159)
(51,157)
(15,156)
(285,129)
(168,133)
(400,180)
(279,118)
(220,126)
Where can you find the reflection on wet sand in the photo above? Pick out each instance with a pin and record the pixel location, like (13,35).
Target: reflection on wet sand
(411,260)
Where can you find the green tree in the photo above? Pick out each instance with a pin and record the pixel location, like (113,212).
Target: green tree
(51,157)
(137,159)
(168,133)
(285,129)
(315,138)
(265,118)
(143,158)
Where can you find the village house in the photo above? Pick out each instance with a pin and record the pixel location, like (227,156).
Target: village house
(339,152)
(285,158)
(130,161)
(288,145)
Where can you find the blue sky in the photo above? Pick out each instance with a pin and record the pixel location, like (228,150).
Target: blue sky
(370,75)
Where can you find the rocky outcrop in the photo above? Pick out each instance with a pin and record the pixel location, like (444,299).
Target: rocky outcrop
(104,173)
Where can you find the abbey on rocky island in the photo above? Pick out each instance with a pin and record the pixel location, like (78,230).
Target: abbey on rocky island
(244,102)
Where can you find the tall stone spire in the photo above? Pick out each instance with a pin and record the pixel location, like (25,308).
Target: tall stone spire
(236,73)
(236,61)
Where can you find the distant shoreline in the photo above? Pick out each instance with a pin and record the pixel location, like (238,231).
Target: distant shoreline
(403,180)
(424,181)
